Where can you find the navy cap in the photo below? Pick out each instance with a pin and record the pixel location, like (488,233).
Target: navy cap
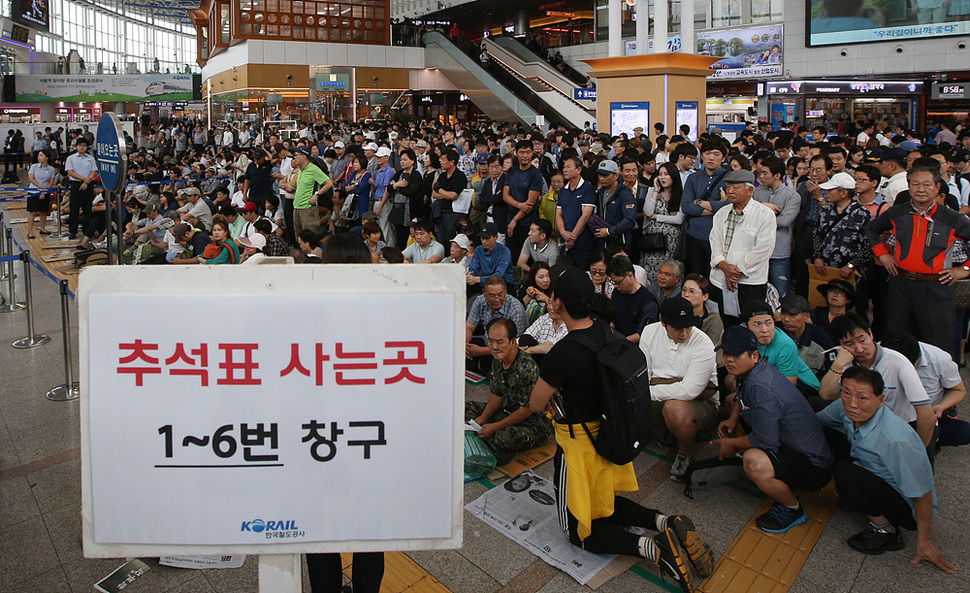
(483,159)
(676,311)
(489,229)
(301,150)
(737,340)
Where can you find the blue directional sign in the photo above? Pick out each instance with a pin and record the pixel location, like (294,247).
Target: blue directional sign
(111,153)
(580,94)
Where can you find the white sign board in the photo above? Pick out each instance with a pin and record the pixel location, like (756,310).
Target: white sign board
(271,410)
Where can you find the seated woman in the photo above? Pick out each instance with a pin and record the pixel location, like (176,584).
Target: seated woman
(597,273)
(840,296)
(223,249)
(535,293)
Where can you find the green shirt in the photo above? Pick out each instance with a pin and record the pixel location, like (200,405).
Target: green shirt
(782,353)
(310,178)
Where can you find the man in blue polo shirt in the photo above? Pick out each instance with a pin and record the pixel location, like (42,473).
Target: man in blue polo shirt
(491,259)
(577,202)
(523,184)
(886,474)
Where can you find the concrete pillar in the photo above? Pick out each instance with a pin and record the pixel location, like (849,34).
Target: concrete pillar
(659,25)
(521,24)
(687,26)
(615,42)
(643,26)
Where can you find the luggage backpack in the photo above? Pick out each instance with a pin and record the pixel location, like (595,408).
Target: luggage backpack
(624,397)
(93,257)
(711,472)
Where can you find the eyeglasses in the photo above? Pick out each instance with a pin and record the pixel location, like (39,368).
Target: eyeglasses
(597,272)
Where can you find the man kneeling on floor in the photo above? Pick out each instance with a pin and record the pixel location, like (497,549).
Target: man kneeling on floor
(785,447)
(590,513)
(887,475)
(508,425)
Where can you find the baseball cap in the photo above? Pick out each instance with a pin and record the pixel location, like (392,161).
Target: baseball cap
(179,230)
(839,181)
(638,129)
(249,207)
(960,155)
(462,241)
(573,286)
(678,312)
(583,143)
(338,144)
(383,151)
(607,167)
(894,154)
(751,308)
(150,206)
(190,191)
(392,135)
(793,304)
(737,340)
(596,148)
(483,159)
(739,176)
(489,229)
(301,150)
(256,241)
(372,146)
(421,144)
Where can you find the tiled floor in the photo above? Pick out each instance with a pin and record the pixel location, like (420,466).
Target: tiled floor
(40,527)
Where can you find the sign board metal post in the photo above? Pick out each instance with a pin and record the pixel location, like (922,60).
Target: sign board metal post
(113,166)
(240,442)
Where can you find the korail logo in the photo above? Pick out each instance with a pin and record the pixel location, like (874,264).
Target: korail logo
(273,529)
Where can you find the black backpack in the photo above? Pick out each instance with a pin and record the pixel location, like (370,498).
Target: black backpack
(624,396)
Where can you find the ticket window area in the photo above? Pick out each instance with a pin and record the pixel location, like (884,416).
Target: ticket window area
(732,110)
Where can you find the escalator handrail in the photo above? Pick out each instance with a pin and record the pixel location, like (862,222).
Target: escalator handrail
(568,71)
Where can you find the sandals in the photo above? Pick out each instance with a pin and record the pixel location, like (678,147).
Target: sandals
(43,232)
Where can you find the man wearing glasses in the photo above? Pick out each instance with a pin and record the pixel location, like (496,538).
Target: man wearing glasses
(784,202)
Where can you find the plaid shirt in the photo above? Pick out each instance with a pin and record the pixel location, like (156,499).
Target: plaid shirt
(543,330)
(275,246)
(733,220)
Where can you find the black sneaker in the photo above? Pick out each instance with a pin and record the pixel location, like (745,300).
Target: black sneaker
(780,518)
(697,549)
(875,541)
(671,560)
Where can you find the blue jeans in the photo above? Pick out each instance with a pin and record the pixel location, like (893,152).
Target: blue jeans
(779,275)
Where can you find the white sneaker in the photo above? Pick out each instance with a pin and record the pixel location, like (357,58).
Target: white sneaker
(679,467)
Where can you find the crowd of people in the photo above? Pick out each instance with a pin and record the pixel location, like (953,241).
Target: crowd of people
(706,254)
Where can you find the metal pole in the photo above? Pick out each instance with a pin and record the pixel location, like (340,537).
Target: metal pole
(107,224)
(59,235)
(12,304)
(69,389)
(31,341)
(3,250)
(120,213)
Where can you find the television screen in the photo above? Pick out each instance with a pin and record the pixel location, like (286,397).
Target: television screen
(832,22)
(32,13)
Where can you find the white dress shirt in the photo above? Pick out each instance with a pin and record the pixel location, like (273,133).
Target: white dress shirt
(751,247)
(693,362)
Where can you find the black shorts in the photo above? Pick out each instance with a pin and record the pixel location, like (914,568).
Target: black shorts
(795,470)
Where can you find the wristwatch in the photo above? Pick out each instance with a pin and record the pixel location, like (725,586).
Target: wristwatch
(966,267)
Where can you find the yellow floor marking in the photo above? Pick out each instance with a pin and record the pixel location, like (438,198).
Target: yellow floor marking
(402,574)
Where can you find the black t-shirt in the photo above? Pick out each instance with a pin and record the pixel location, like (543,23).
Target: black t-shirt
(572,369)
(260,178)
(456,183)
(199,241)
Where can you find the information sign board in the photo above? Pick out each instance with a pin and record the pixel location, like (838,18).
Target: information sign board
(626,116)
(111,153)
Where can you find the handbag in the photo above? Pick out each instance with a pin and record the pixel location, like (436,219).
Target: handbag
(961,294)
(652,242)
(463,202)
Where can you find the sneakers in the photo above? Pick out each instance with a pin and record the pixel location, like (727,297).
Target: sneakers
(780,518)
(875,541)
(671,560)
(679,467)
(697,549)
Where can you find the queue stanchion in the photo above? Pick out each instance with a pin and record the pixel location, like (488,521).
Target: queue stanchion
(11,305)
(69,389)
(31,340)
(59,235)
(3,249)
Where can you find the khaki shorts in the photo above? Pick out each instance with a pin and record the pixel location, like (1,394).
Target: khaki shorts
(705,410)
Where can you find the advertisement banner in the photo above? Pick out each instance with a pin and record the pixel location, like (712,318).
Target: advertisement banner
(747,53)
(35,88)
(335,428)
(630,45)
(31,13)
(833,22)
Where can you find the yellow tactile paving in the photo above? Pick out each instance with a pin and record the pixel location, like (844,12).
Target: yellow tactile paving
(759,562)
(402,574)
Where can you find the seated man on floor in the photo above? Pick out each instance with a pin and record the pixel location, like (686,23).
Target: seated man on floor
(941,379)
(508,425)
(881,469)
(424,250)
(683,378)
(492,258)
(635,307)
(494,302)
(543,334)
(539,247)
(785,448)
(812,342)
(905,394)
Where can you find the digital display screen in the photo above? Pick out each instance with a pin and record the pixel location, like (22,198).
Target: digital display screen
(831,22)
(19,34)
(32,13)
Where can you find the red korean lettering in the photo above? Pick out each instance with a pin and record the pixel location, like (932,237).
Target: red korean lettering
(340,367)
(405,362)
(201,360)
(232,366)
(296,365)
(139,352)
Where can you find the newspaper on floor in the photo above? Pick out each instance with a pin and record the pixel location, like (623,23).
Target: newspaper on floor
(524,509)
(123,576)
(200,562)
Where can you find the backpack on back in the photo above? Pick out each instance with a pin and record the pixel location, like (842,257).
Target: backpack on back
(624,397)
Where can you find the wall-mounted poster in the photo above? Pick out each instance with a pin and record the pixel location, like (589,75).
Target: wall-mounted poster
(748,52)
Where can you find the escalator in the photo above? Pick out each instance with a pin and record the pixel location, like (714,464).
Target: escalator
(499,93)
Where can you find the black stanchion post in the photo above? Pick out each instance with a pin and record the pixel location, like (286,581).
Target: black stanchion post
(3,249)
(31,340)
(11,304)
(60,235)
(69,389)
(107,225)
(120,213)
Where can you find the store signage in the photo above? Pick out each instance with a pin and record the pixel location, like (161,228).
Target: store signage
(828,87)
(175,104)
(549,5)
(215,412)
(567,15)
(747,53)
(581,94)
(20,110)
(950,90)
(62,110)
